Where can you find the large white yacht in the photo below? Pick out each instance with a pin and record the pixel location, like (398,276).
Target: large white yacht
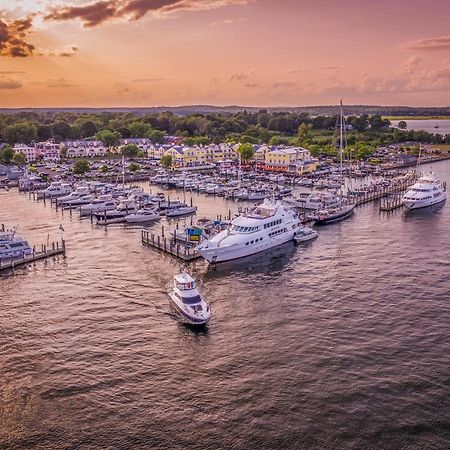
(12,246)
(267,225)
(56,189)
(188,302)
(427,191)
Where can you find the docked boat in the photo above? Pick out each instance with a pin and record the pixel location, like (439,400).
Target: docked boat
(143,215)
(12,246)
(265,226)
(305,234)
(98,205)
(56,189)
(126,207)
(181,211)
(427,191)
(335,214)
(187,301)
(79,192)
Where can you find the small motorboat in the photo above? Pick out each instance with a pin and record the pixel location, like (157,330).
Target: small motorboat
(188,302)
(305,234)
(143,215)
(180,211)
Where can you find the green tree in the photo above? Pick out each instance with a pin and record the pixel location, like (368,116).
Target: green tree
(304,134)
(44,132)
(166,161)
(402,125)
(156,136)
(63,152)
(108,138)
(88,129)
(20,132)
(61,131)
(104,169)
(133,167)
(81,167)
(6,154)
(139,129)
(19,159)
(246,151)
(130,150)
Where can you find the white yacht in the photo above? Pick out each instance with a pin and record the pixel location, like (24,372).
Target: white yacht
(428,191)
(79,192)
(100,204)
(306,234)
(188,302)
(267,225)
(180,211)
(56,189)
(143,215)
(12,246)
(126,207)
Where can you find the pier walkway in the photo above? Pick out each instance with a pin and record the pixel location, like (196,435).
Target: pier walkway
(56,248)
(169,245)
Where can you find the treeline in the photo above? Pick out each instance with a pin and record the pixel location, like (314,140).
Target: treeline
(262,126)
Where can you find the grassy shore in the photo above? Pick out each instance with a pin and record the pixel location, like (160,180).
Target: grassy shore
(406,118)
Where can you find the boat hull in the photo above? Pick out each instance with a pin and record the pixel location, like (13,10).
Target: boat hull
(184,316)
(418,204)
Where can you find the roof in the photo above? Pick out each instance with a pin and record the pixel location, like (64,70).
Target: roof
(184,278)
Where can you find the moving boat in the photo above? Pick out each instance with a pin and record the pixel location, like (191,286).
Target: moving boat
(428,191)
(143,215)
(12,246)
(267,225)
(188,302)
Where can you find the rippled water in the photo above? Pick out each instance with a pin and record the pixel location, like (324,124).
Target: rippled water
(340,343)
(427,125)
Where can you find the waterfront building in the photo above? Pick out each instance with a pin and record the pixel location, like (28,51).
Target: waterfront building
(84,149)
(296,160)
(28,150)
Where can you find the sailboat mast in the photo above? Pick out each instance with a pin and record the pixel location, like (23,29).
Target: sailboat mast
(341,144)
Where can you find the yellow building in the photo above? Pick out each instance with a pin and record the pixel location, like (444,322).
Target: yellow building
(289,159)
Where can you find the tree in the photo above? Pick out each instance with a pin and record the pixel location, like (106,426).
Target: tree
(63,152)
(139,129)
(20,132)
(246,151)
(6,154)
(19,159)
(61,131)
(166,161)
(156,136)
(304,134)
(88,129)
(44,132)
(133,167)
(402,125)
(80,167)
(104,169)
(130,150)
(108,137)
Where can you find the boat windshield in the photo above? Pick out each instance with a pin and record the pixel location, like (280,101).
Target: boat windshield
(191,300)
(185,286)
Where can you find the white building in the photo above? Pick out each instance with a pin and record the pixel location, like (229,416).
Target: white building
(28,150)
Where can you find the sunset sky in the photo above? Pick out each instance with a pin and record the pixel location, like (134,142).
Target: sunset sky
(224,52)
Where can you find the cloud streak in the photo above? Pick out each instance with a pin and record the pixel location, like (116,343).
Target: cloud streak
(102,11)
(428,44)
(10,84)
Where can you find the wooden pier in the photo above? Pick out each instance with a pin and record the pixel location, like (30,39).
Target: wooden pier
(56,248)
(169,245)
(391,203)
(381,192)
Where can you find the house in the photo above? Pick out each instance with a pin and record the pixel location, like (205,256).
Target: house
(84,149)
(48,151)
(296,160)
(28,150)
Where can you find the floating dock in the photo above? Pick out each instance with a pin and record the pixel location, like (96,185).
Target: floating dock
(169,245)
(56,248)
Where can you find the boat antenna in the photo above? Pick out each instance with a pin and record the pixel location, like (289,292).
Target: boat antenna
(418,159)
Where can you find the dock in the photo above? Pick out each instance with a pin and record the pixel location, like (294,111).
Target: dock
(45,252)
(391,203)
(169,245)
(381,192)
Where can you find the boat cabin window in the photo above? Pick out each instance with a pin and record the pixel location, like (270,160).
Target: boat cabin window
(191,300)
(185,286)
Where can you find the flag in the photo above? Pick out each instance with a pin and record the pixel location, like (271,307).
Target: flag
(61,227)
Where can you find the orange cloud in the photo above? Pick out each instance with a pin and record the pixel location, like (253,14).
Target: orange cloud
(12,38)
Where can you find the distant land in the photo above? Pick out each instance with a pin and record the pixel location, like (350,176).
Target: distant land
(391,111)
